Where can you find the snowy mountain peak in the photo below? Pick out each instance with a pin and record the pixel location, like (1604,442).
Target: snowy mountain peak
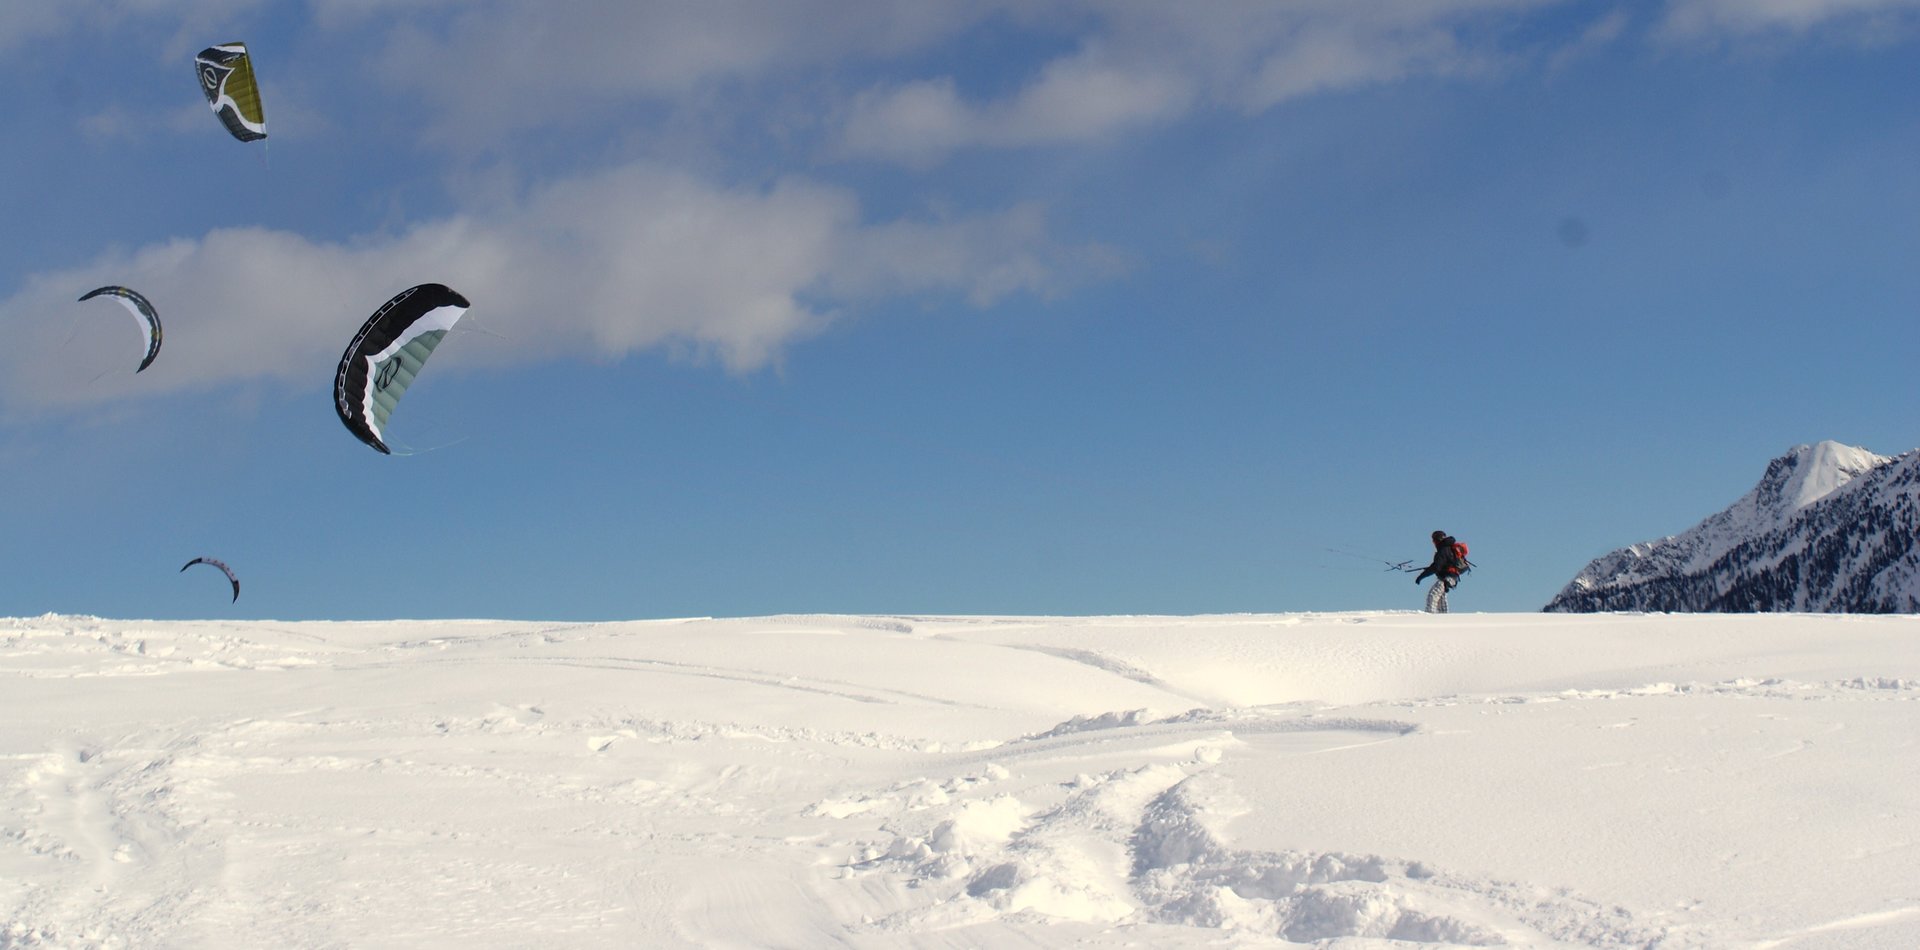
(1809,473)
(1830,527)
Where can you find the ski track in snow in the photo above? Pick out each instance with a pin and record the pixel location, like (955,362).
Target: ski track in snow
(333,785)
(1131,848)
(1116,667)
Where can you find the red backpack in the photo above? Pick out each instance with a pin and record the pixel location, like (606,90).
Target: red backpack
(1460,563)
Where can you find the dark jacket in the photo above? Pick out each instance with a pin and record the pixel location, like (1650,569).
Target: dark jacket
(1445,562)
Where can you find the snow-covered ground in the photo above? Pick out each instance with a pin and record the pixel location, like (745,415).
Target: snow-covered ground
(1355,780)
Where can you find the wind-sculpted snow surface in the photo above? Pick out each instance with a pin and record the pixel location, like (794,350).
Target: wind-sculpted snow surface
(1347,780)
(1830,528)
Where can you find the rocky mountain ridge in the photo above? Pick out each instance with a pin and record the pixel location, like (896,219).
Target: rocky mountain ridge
(1830,528)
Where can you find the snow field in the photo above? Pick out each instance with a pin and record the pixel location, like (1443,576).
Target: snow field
(1346,780)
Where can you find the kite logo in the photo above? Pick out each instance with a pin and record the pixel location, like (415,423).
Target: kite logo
(384,378)
(211,76)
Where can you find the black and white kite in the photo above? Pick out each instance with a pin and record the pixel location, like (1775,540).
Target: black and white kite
(143,314)
(222,565)
(388,353)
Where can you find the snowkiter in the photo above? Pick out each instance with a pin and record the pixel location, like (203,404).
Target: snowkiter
(1449,559)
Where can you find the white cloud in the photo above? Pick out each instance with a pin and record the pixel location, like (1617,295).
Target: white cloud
(1318,59)
(601,265)
(27,21)
(919,122)
(1694,17)
(1087,96)
(493,66)
(498,65)
(1148,61)
(117,123)
(1603,32)
(488,67)
(987,257)
(1142,63)
(24,21)
(1073,100)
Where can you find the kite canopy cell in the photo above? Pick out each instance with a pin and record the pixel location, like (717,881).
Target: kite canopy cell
(226,76)
(143,314)
(222,565)
(388,353)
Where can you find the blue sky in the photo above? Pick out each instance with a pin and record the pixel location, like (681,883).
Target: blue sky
(861,306)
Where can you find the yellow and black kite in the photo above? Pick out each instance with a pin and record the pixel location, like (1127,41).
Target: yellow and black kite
(226,76)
